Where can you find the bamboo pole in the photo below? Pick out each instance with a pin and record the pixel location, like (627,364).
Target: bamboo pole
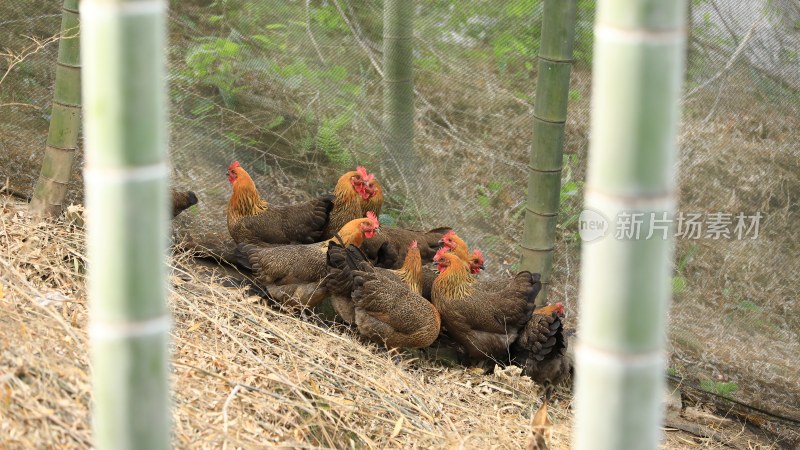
(625,281)
(126,178)
(547,151)
(398,79)
(65,120)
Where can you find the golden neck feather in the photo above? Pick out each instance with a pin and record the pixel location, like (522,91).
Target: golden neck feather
(455,282)
(245,200)
(411,272)
(351,234)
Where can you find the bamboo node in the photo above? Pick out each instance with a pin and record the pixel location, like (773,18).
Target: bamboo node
(538,250)
(534,169)
(100,330)
(554,122)
(609,32)
(94,9)
(68,66)
(67,105)
(540,214)
(46,178)
(117,175)
(61,149)
(557,61)
(634,359)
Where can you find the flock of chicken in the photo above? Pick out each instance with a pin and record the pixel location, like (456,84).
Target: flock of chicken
(380,279)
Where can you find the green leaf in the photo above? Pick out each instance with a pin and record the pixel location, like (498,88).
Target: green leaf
(387,220)
(277,121)
(678,284)
(202,106)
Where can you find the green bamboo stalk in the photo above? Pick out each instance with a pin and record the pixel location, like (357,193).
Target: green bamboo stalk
(62,138)
(547,151)
(625,281)
(126,178)
(398,79)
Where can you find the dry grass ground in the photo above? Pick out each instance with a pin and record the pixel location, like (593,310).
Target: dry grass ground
(247,376)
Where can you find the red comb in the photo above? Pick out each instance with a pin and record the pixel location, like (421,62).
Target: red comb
(373,218)
(234,165)
(413,244)
(440,253)
(478,255)
(448,234)
(366,176)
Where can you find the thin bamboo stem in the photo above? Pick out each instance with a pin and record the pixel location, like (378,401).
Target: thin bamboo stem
(126,178)
(625,277)
(550,115)
(398,79)
(62,137)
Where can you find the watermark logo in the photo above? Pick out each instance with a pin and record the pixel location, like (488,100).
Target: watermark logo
(634,226)
(592,225)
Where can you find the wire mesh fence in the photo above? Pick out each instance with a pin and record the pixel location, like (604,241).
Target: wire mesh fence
(293,91)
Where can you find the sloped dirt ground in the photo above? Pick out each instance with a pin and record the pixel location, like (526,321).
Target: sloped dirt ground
(245,375)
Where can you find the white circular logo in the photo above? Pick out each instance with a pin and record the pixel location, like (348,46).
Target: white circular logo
(591,225)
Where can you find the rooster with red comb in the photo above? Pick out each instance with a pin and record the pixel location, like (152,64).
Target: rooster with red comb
(356,192)
(253,219)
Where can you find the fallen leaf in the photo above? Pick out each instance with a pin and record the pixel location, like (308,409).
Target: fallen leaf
(397,427)
(7,396)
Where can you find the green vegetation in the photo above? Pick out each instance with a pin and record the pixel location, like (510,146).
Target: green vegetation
(570,199)
(724,389)
(679,282)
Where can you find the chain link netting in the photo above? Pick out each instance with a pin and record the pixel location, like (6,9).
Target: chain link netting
(293,90)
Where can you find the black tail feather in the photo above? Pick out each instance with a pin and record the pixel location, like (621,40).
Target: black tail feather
(242,254)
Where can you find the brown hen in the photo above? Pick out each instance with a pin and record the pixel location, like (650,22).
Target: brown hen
(388,308)
(342,262)
(399,240)
(484,320)
(182,200)
(355,193)
(251,219)
(293,274)
(541,348)
(453,243)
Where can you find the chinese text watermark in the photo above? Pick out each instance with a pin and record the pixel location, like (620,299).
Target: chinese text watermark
(659,225)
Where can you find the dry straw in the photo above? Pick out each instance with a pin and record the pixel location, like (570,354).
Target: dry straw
(243,375)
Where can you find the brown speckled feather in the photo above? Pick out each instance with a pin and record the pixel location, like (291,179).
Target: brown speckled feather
(301,223)
(385,304)
(182,200)
(483,320)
